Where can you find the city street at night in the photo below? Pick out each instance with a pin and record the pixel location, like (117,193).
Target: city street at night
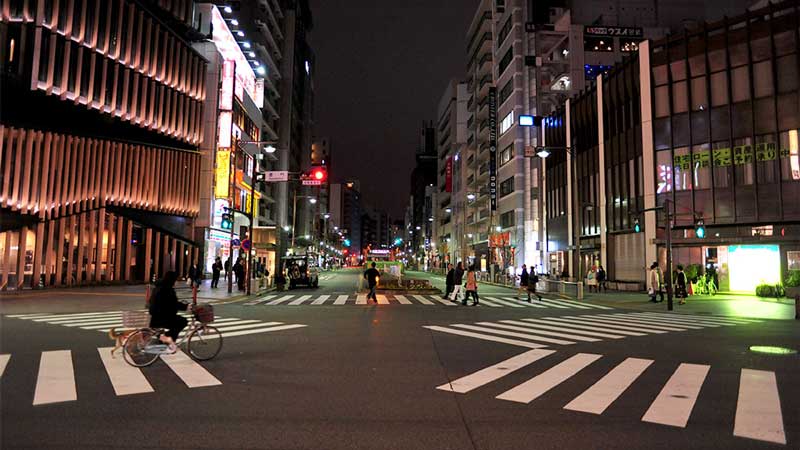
(413,374)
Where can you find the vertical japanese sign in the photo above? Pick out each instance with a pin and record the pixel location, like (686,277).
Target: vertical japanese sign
(493,148)
(448,175)
(223,174)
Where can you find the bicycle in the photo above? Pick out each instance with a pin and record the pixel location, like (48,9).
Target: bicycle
(143,346)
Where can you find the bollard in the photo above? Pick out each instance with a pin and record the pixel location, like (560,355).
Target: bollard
(797,307)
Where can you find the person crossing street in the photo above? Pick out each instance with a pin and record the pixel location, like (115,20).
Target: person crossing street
(449,280)
(372,275)
(458,277)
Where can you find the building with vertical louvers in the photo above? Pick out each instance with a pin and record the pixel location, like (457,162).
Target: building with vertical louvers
(101,121)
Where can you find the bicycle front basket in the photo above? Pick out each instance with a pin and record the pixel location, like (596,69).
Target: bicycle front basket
(204,313)
(135,319)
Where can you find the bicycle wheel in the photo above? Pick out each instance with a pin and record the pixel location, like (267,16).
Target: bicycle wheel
(204,343)
(134,349)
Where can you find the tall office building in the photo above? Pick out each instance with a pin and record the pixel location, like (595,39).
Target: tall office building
(101,166)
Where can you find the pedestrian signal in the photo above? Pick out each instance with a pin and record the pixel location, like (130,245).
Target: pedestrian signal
(227,222)
(700,229)
(637,227)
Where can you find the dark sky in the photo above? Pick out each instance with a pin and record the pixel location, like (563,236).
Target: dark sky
(381,69)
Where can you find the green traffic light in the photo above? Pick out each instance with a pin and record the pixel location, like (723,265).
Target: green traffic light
(700,229)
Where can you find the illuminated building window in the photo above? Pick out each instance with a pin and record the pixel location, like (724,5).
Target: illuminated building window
(508,122)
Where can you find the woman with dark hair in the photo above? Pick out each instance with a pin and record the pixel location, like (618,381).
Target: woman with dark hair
(471,286)
(164,307)
(680,285)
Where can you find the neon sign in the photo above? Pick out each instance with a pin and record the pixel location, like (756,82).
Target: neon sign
(226,44)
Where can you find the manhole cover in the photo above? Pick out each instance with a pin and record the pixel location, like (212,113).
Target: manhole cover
(772,350)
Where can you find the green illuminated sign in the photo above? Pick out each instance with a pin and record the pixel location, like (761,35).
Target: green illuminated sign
(772,350)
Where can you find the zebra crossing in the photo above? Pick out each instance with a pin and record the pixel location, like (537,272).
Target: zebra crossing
(489,301)
(56,376)
(758,414)
(567,330)
(104,321)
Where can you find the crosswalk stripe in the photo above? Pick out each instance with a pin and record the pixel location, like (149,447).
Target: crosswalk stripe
(361,299)
(578,324)
(675,402)
(56,380)
(758,408)
(682,322)
(192,373)
(484,337)
(531,337)
(422,300)
(538,385)
(259,300)
(661,322)
(280,300)
(443,301)
(484,302)
(3,363)
(125,378)
(27,316)
(119,326)
(233,327)
(72,316)
(637,321)
(504,302)
(683,319)
(300,300)
(382,300)
(263,330)
(555,327)
(340,300)
(320,300)
(494,372)
(615,324)
(725,319)
(109,321)
(402,299)
(584,304)
(60,321)
(600,395)
(562,304)
(533,328)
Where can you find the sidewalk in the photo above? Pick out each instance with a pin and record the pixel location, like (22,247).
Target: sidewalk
(109,298)
(717,305)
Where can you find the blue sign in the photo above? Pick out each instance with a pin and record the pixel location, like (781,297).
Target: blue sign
(526,121)
(236,243)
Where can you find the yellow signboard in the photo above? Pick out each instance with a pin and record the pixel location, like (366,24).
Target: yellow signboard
(223,174)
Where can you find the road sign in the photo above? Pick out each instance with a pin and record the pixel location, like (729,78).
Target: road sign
(236,243)
(246,244)
(276,175)
(312,183)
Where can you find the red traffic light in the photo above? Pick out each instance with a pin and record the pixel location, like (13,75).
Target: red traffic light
(319,174)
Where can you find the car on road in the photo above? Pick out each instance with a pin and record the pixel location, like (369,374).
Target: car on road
(301,270)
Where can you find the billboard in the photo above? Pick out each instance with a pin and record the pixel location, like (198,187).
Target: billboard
(493,148)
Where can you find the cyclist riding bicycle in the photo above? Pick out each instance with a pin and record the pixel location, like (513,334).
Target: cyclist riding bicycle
(164,307)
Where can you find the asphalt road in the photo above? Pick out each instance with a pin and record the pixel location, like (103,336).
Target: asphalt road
(318,374)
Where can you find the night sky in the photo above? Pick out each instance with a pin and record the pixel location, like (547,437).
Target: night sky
(381,69)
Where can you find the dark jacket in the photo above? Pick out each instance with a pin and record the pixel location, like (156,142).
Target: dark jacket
(372,275)
(195,273)
(217,267)
(450,275)
(601,275)
(164,304)
(458,276)
(524,278)
(238,269)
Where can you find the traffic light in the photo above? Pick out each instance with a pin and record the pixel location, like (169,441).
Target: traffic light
(319,173)
(637,227)
(227,221)
(700,229)
(347,242)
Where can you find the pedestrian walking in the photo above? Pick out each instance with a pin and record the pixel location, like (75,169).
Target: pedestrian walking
(448,280)
(524,279)
(472,287)
(591,279)
(373,276)
(238,270)
(654,283)
(532,280)
(195,278)
(601,279)
(458,277)
(680,285)
(216,269)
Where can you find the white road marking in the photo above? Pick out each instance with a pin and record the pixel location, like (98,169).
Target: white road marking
(280,300)
(192,373)
(233,327)
(260,300)
(691,320)
(582,304)
(674,403)
(639,322)
(681,322)
(551,304)
(382,300)
(577,324)
(361,299)
(485,301)
(422,300)
(534,323)
(505,302)
(402,299)
(531,328)
(71,316)
(494,372)
(758,408)
(614,324)
(530,336)
(567,304)
(538,385)
(125,378)
(262,330)
(440,300)
(300,300)
(56,380)
(656,322)
(340,300)
(321,300)
(484,337)
(3,363)
(600,395)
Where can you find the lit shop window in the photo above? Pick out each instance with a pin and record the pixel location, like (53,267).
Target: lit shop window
(598,44)
(508,122)
(629,45)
